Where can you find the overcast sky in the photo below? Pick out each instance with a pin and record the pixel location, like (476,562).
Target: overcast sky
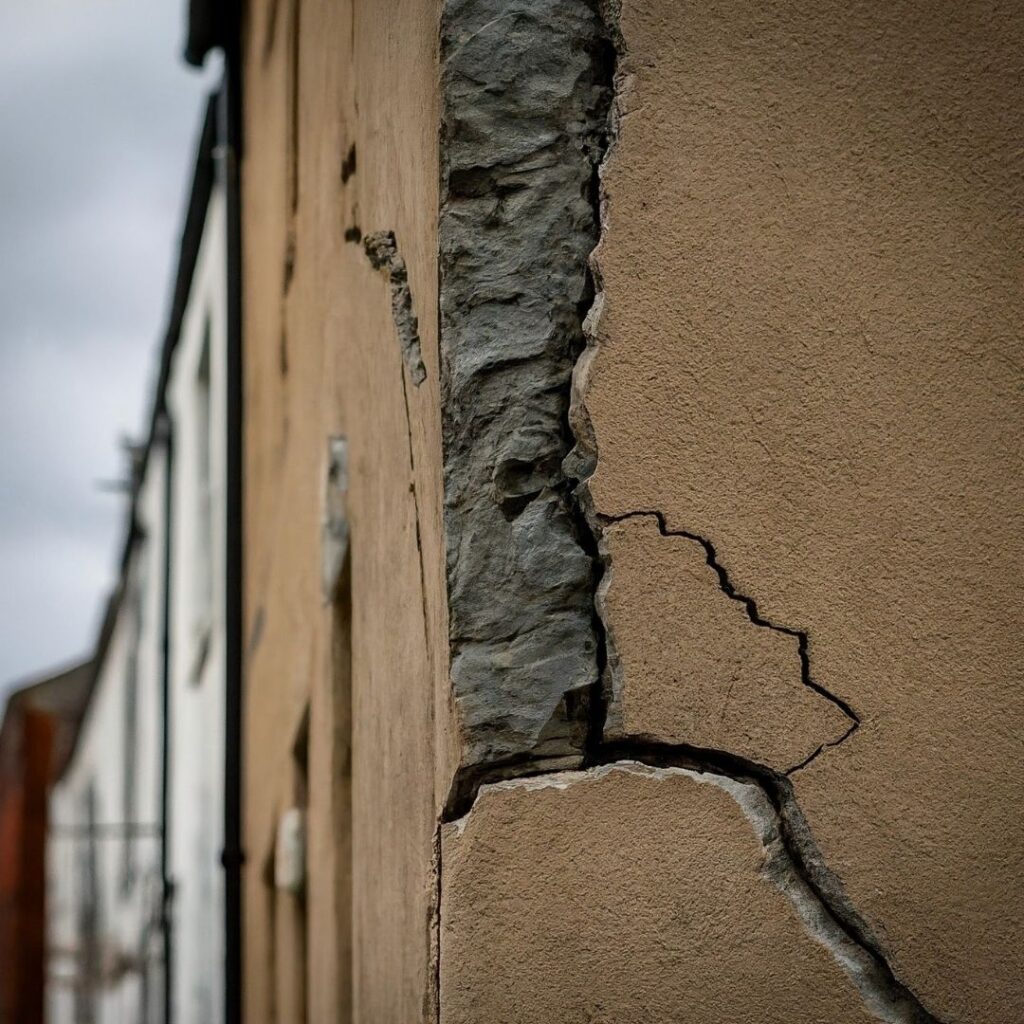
(98,115)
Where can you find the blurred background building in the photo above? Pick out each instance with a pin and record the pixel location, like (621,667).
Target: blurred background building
(113,788)
(136,903)
(40,723)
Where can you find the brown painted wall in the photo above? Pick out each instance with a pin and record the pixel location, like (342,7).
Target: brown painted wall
(809,356)
(324,81)
(806,397)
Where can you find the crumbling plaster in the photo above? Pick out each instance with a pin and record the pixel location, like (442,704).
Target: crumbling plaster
(635,894)
(806,354)
(519,211)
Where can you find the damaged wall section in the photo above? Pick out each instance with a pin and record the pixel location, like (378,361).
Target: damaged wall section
(730,929)
(525,92)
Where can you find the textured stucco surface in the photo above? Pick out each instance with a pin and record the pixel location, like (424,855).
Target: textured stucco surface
(689,665)
(626,896)
(809,354)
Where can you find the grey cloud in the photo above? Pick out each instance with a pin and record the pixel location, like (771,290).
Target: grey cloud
(97,117)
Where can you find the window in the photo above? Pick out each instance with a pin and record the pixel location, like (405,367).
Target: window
(130,728)
(202,567)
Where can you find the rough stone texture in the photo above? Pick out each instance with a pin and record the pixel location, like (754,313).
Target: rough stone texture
(382,251)
(809,353)
(524,114)
(629,895)
(691,667)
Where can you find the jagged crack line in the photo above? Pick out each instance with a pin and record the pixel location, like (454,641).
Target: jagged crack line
(416,514)
(750,604)
(888,998)
(823,747)
(382,251)
(434,996)
(891,1000)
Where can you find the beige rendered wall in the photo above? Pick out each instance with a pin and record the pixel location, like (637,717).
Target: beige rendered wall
(809,355)
(323,81)
(805,392)
(797,799)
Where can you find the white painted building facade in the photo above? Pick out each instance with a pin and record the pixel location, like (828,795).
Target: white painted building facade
(196,402)
(105,879)
(136,890)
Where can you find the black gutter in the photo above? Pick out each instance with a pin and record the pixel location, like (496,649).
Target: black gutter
(191,236)
(233,855)
(167,884)
(209,26)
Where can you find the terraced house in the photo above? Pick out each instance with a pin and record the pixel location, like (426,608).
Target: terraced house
(620,532)
(137,902)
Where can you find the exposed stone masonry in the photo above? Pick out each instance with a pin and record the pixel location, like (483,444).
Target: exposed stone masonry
(526,89)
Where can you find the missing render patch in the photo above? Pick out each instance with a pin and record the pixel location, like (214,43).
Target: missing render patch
(382,251)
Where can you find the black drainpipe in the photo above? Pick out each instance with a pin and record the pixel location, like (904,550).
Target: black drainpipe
(229,135)
(167,885)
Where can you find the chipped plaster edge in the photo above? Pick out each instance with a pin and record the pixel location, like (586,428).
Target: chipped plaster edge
(381,248)
(884,997)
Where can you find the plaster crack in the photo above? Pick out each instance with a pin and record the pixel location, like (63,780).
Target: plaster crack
(432,997)
(795,864)
(382,251)
(755,616)
(416,515)
(581,462)
(792,860)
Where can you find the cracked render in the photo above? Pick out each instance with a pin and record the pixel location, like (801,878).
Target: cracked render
(670,892)
(806,353)
(697,677)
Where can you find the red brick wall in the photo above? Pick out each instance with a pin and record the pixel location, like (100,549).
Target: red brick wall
(26,747)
